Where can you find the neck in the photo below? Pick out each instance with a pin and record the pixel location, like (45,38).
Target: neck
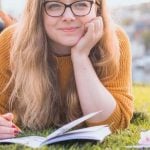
(60,50)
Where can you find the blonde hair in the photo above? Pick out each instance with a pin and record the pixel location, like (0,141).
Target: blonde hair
(36,98)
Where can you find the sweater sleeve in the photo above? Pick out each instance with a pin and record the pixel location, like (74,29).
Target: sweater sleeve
(5,73)
(121,88)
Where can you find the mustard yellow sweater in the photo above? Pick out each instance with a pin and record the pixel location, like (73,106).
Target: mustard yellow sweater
(120,87)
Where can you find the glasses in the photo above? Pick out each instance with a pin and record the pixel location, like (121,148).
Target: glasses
(78,8)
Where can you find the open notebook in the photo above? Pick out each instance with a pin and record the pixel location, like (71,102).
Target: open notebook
(97,133)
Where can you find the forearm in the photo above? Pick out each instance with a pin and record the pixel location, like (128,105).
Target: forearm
(93,95)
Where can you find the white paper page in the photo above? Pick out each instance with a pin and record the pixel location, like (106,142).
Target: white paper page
(98,135)
(31,141)
(35,141)
(144,141)
(88,129)
(145,138)
(72,124)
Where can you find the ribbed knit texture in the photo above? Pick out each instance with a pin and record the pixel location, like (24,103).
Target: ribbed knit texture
(120,87)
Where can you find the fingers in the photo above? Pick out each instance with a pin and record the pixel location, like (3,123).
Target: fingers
(4,122)
(98,28)
(95,27)
(7,128)
(90,30)
(8,116)
(94,31)
(93,34)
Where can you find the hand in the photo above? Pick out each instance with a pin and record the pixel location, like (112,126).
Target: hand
(6,18)
(7,127)
(93,33)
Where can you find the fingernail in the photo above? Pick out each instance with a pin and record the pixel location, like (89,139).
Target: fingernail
(13,126)
(17,128)
(16,132)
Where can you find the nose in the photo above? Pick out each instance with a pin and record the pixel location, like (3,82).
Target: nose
(68,15)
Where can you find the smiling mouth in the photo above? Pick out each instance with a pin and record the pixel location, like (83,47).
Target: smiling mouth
(71,29)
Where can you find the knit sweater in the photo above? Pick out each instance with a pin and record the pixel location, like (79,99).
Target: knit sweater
(119,87)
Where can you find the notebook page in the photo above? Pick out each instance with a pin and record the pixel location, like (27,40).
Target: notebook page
(72,124)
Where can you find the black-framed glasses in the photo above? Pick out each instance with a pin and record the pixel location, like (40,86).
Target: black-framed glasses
(78,8)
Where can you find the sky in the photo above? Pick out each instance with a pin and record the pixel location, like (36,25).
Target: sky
(15,7)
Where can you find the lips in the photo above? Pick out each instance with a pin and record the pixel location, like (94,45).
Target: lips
(69,29)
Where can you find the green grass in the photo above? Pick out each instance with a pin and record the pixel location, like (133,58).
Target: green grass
(115,141)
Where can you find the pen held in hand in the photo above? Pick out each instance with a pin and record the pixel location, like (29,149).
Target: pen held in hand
(8,118)
(18,129)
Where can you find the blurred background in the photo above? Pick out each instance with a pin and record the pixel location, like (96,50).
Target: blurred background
(132,15)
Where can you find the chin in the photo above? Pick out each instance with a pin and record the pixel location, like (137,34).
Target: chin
(71,42)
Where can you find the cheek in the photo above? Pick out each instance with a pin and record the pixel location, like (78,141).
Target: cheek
(49,24)
(90,16)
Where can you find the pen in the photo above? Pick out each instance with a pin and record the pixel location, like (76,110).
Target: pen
(15,126)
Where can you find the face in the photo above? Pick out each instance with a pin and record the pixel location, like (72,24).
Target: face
(66,30)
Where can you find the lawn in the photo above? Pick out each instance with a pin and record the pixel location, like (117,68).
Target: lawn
(116,141)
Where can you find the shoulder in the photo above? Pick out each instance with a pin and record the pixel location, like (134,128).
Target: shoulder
(124,42)
(121,34)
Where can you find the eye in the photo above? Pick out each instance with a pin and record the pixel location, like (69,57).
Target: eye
(82,5)
(53,6)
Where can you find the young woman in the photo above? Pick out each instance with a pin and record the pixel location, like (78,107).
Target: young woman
(65,59)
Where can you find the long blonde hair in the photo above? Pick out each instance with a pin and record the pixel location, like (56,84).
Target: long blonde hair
(36,98)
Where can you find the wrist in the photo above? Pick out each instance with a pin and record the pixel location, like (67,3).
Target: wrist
(79,57)
(76,54)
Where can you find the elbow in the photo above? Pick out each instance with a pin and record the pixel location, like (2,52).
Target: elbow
(123,123)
